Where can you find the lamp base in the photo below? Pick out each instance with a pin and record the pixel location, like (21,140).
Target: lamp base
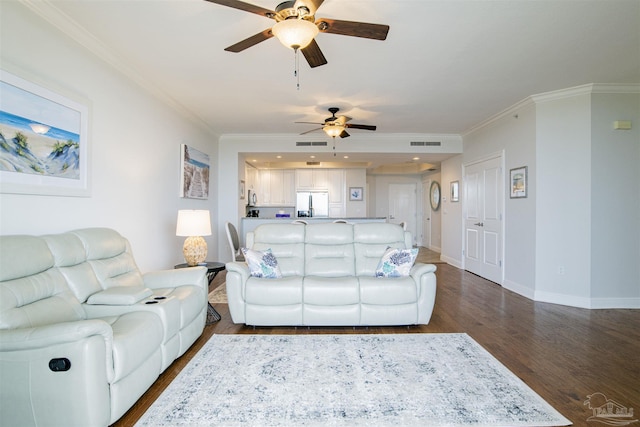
(194,250)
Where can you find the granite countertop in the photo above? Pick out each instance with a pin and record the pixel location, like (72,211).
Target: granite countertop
(308,218)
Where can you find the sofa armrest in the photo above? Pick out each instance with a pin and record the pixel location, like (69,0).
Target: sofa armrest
(49,335)
(237,276)
(177,277)
(42,393)
(419,269)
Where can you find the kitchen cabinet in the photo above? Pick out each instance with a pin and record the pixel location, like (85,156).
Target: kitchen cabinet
(276,187)
(311,179)
(336,185)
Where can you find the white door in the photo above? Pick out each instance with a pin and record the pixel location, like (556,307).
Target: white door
(483,207)
(402,206)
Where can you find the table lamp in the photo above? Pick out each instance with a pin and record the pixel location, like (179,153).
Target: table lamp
(194,224)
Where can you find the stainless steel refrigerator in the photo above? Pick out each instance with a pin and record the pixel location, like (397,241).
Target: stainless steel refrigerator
(312,204)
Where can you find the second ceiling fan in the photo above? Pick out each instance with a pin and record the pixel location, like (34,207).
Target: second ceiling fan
(296,27)
(337,126)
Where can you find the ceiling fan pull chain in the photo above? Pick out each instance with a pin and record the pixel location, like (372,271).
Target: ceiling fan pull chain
(296,71)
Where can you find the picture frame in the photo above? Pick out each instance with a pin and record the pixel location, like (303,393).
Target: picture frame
(355,194)
(242,191)
(455,191)
(518,182)
(46,147)
(194,173)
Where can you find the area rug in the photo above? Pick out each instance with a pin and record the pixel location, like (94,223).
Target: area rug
(219,294)
(348,380)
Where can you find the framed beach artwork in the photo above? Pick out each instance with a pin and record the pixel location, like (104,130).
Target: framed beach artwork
(355,194)
(194,173)
(518,182)
(44,144)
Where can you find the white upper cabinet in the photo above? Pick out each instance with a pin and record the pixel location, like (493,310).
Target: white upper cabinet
(335,184)
(276,187)
(311,179)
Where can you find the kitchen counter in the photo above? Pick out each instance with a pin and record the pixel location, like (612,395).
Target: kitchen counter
(250,223)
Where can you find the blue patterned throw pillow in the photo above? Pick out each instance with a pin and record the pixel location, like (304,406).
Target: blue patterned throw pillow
(262,264)
(396,262)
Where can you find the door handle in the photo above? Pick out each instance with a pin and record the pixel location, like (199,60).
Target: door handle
(479,224)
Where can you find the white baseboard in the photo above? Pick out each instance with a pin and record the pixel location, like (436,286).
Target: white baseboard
(571,300)
(451,261)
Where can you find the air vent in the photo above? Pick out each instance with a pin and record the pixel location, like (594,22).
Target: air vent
(311,144)
(426,143)
(313,163)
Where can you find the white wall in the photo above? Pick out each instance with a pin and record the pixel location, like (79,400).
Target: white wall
(451,247)
(135,140)
(615,200)
(563,237)
(512,133)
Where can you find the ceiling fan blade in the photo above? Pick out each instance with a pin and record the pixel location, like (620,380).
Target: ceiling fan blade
(313,55)
(310,123)
(312,5)
(309,131)
(343,120)
(251,41)
(344,134)
(355,29)
(365,127)
(247,7)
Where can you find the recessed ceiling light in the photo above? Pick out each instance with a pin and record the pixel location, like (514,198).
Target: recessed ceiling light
(254,160)
(279,157)
(416,158)
(313,157)
(346,157)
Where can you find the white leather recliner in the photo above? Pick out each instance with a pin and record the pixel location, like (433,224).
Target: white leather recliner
(83,334)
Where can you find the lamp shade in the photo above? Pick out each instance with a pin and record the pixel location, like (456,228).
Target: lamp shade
(193,223)
(333,130)
(295,33)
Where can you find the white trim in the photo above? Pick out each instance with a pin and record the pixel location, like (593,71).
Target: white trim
(599,303)
(451,261)
(519,289)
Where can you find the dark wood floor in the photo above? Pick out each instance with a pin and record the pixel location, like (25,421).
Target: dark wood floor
(563,353)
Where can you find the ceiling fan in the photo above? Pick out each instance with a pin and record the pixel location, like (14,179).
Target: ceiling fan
(337,126)
(296,27)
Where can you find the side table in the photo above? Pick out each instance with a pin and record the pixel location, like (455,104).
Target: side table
(213,268)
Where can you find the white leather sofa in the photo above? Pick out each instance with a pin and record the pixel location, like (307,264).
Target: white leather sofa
(328,278)
(83,334)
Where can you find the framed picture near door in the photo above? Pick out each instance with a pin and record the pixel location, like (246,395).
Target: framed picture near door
(518,182)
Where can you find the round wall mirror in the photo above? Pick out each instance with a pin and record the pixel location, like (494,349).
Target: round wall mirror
(434,195)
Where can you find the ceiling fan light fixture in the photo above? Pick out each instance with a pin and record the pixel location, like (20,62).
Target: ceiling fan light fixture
(333,130)
(295,33)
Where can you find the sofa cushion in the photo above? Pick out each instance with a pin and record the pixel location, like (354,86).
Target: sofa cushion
(37,300)
(396,262)
(329,250)
(262,263)
(23,256)
(284,291)
(371,240)
(286,241)
(329,291)
(388,291)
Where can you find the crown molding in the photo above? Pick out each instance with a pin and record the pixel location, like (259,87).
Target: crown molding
(592,88)
(61,21)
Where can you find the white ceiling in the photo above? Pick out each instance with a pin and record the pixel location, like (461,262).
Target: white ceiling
(446,65)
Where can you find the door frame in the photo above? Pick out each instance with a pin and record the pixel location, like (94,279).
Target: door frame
(497,154)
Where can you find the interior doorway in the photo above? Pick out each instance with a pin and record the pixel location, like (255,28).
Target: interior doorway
(402,206)
(483,213)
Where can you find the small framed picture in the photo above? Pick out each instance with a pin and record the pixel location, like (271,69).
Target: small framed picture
(242,189)
(518,182)
(455,191)
(355,194)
